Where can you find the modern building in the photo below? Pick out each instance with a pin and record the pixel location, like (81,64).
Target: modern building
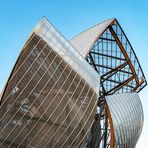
(77,93)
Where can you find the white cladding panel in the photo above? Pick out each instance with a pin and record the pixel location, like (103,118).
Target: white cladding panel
(127,117)
(84,41)
(56,41)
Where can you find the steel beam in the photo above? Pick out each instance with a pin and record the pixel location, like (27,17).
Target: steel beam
(109,56)
(107,39)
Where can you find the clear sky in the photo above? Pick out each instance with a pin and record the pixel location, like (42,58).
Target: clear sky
(70,17)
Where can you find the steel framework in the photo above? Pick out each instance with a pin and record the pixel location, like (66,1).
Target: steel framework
(56,85)
(113,57)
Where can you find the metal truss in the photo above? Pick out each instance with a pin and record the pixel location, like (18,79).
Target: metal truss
(113,57)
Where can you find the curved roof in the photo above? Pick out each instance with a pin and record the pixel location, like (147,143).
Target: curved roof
(106,47)
(127,117)
(55,39)
(51,95)
(84,41)
(70,55)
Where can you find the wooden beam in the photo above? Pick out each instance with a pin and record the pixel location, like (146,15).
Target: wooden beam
(112,137)
(124,53)
(103,66)
(120,82)
(140,83)
(112,72)
(120,85)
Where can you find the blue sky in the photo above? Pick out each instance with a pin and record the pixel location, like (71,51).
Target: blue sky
(70,17)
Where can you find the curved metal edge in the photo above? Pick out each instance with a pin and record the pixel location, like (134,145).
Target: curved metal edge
(111,127)
(111,23)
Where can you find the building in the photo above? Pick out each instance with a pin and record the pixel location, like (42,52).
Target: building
(77,93)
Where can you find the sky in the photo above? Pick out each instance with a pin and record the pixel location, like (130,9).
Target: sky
(70,17)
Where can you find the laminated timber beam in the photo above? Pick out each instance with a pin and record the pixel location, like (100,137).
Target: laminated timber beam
(112,72)
(124,53)
(140,83)
(107,67)
(120,85)
(117,82)
(112,136)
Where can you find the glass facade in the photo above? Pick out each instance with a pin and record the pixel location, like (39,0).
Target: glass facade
(107,49)
(50,98)
(73,94)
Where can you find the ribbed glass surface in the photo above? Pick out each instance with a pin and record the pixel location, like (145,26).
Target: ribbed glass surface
(47,102)
(127,117)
